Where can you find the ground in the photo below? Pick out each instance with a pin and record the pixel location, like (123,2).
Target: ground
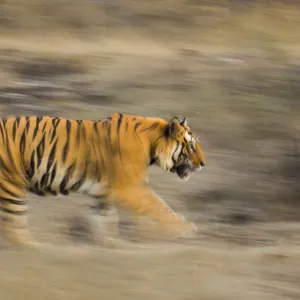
(238,85)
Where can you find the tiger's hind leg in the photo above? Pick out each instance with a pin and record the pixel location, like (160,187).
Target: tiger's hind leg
(15,222)
(105,222)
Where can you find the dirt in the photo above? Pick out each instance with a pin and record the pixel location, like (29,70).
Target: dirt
(213,266)
(241,102)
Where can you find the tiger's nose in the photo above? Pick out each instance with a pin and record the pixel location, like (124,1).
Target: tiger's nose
(202,164)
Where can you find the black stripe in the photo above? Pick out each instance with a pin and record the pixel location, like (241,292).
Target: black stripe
(66,147)
(44,180)
(181,153)
(152,161)
(40,151)
(10,193)
(65,181)
(27,124)
(23,144)
(13,212)
(43,129)
(18,120)
(159,138)
(38,120)
(15,202)
(137,125)
(55,123)
(75,187)
(15,129)
(4,121)
(151,127)
(31,171)
(37,190)
(186,143)
(95,127)
(51,156)
(118,133)
(119,123)
(2,130)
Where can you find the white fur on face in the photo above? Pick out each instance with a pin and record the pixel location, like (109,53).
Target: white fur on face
(176,152)
(190,138)
(167,162)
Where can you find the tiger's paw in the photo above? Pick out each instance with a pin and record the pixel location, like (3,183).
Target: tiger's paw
(190,230)
(118,243)
(185,229)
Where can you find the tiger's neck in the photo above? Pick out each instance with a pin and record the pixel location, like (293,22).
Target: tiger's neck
(150,131)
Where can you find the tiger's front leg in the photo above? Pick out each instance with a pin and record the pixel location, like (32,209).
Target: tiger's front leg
(144,201)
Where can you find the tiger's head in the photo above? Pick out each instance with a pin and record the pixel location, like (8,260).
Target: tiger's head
(179,151)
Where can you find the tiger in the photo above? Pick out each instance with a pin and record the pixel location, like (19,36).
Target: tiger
(107,160)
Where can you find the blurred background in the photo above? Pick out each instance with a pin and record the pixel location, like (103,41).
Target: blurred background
(233,69)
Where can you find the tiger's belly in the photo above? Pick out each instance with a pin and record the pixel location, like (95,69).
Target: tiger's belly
(94,188)
(64,186)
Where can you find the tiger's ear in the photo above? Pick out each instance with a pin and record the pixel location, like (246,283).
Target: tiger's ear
(173,128)
(183,122)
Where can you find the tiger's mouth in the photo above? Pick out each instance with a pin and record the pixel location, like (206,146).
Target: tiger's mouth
(183,171)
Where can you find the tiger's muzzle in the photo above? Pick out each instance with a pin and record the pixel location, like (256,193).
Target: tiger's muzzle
(183,171)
